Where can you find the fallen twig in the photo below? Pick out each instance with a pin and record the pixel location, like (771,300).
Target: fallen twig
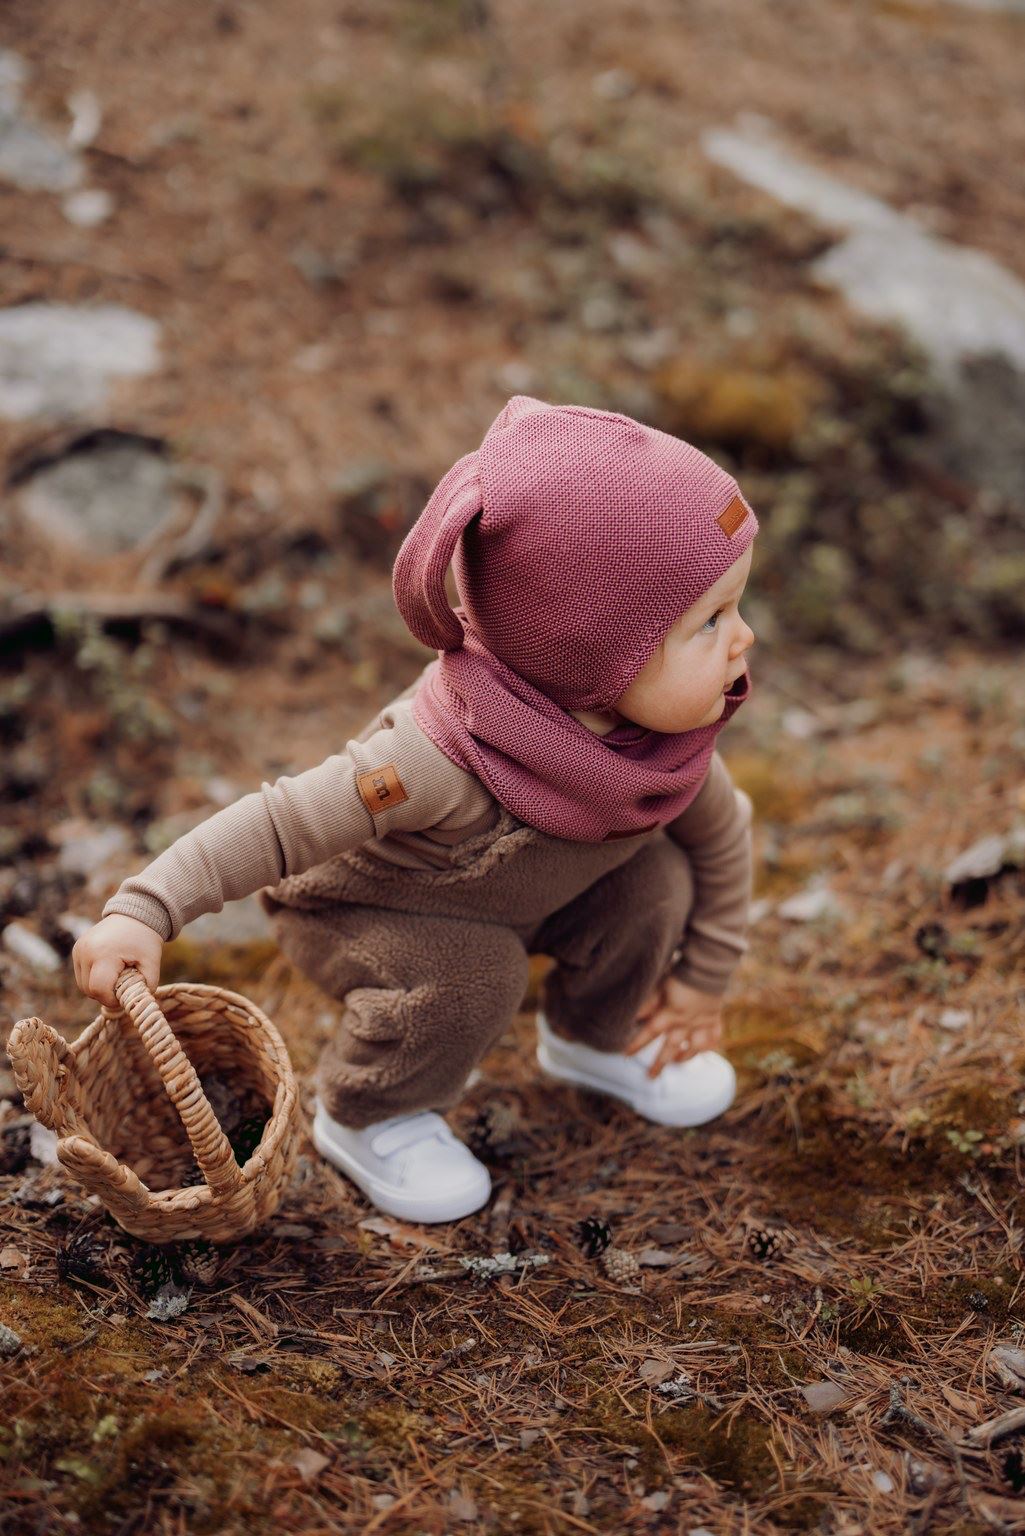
(24,614)
(899,1413)
(482,1266)
(995,1429)
(195,539)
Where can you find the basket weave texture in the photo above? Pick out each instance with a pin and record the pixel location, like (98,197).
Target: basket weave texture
(134,1123)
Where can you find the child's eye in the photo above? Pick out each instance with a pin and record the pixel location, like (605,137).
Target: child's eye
(709,626)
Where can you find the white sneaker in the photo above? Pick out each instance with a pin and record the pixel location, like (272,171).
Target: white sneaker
(683,1093)
(412,1166)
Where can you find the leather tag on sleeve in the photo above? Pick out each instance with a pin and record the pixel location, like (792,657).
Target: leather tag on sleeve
(730,520)
(381,788)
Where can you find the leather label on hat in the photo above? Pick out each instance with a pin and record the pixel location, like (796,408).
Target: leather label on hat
(730,520)
(380,788)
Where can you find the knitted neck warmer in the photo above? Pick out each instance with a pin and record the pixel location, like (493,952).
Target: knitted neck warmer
(578,537)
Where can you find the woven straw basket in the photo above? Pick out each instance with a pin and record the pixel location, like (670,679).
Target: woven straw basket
(134,1121)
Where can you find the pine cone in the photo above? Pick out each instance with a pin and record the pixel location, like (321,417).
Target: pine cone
(199,1260)
(153,1266)
(620,1266)
(79,1258)
(765,1242)
(593,1235)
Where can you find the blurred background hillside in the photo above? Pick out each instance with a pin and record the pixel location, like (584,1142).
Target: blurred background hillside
(288,251)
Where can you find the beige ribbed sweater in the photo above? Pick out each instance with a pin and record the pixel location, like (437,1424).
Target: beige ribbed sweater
(393,792)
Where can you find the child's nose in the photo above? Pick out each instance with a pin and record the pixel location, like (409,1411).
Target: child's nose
(746,640)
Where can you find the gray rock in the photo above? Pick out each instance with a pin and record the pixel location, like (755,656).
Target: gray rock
(73,924)
(13,74)
(823,1396)
(646,349)
(88,207)
(800,723)
(601,311)
(101,499)
(86,117)
(955,301)
(517,377)
(43,1144)
(961,307)
(987,857)
(59,360)
(90,850)
(240,922)
(809,905)
(10,1343)
(20,941)
(221,791)
(29,156)
(613,84)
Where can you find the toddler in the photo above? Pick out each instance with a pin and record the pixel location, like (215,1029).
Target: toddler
(547,785)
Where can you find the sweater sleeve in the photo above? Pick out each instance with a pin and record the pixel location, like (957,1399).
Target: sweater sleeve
(395,779)
(715,833)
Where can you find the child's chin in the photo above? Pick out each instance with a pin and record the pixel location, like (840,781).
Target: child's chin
(712,713)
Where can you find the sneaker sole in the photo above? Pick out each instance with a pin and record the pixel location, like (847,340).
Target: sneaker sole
(386,1198)
(577,1079)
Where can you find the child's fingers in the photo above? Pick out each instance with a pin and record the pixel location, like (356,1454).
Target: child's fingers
(706,1038)
(687,1051)
(680,1046)
(101,981)
(679,1041)
(665,1055)
(652,1028)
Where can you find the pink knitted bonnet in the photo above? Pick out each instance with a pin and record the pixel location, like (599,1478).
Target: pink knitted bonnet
(578,537)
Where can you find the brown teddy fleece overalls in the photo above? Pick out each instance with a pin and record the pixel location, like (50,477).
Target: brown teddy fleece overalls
(432,964)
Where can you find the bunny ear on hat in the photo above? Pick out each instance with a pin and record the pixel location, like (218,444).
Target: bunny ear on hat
(418,576)
(515,407)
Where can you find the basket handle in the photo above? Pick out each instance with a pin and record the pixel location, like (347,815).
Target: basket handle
(212,1148)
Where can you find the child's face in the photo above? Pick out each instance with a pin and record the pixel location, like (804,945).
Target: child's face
(684,684)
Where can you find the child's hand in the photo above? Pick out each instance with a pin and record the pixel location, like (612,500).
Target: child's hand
(103,953)
(691,1021)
